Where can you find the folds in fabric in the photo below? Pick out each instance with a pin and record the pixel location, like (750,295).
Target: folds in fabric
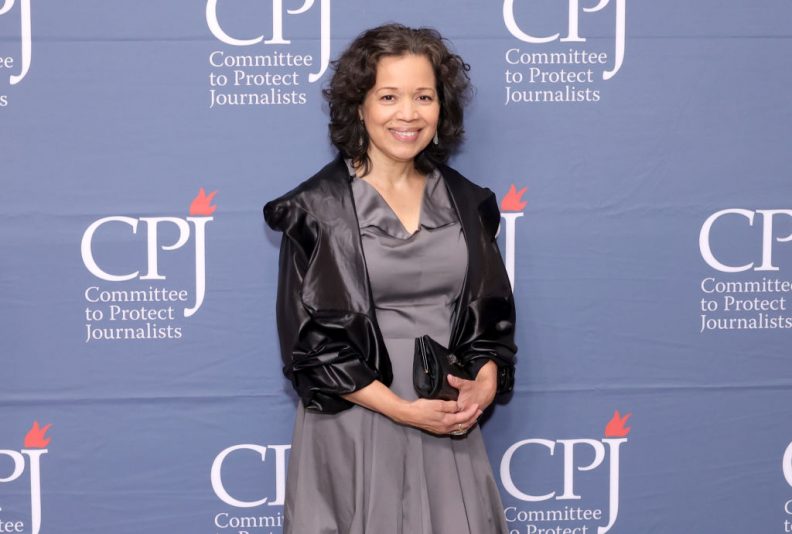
(329,337)
(485,330)
(490,321)
(322,351)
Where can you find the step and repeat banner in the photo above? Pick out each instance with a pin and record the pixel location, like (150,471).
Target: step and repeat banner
(641,154)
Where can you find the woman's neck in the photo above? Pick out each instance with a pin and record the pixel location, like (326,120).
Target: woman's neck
(389,171)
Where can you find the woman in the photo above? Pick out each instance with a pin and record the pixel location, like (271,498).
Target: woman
(383,245)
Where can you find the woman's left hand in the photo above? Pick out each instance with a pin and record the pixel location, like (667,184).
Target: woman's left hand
(480,391)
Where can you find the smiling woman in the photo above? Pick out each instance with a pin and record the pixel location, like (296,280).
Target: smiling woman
(401,111)
(384,245)
(366,65)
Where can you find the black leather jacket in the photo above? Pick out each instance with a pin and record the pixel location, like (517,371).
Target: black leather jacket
(329,337)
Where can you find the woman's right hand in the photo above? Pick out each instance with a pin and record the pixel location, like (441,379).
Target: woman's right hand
(439,416)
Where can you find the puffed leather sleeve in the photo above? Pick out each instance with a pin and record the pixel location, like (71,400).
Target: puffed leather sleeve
(490,319)
(319,358)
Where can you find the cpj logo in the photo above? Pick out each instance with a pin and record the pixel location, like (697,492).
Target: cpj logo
(549,67)
(8,63)
(230,466)
(511,207)
(741,246)
(125,302)
(273,75)
(28,459)
(559,517)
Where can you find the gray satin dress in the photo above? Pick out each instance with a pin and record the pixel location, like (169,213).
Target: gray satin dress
(358,472)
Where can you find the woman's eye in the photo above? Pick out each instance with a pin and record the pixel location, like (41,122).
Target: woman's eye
(388,98)
(425,98)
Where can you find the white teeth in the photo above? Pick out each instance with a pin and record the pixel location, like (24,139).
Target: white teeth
(405,134)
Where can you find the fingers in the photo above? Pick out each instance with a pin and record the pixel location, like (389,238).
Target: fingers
(463,417)
(446,417)
(469,422)
(457,382)
(473,420)
(449,406)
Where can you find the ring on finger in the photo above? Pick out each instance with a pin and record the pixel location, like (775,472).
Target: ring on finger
(460,431)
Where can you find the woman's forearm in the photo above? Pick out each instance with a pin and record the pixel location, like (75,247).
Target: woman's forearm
(379,398)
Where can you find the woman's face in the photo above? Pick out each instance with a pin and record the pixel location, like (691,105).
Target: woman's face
(401,111)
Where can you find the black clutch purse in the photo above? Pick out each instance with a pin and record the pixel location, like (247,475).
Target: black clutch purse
(431,364)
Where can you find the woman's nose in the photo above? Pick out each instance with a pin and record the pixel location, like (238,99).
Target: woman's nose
(407,110)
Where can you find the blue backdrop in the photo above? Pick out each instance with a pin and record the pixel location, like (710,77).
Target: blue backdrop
(650,254)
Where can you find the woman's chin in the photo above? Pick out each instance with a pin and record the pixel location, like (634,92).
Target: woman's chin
(400,154)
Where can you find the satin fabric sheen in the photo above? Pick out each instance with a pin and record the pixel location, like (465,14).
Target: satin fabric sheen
(330,341)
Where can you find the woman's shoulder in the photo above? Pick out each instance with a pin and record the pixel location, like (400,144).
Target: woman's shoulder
(311,196)
(464,184)
(481,196)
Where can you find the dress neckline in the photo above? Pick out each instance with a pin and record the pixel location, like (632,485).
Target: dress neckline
(374,211)
(393,212)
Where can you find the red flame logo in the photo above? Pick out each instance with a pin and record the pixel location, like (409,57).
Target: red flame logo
(35,439)
(615,427)
(513,201)
(202,203)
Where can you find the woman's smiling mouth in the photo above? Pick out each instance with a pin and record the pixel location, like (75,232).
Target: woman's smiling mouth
(404,135)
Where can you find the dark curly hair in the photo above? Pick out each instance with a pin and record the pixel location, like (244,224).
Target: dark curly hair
(355,73)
